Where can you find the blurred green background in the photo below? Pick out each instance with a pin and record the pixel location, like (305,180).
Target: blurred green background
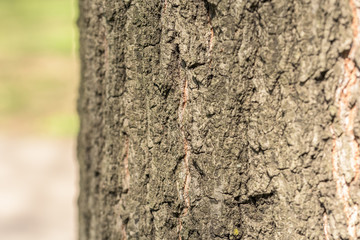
(39,75)
(38,67)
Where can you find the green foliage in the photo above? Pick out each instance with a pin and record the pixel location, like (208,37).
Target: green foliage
(37,26)
(39,73)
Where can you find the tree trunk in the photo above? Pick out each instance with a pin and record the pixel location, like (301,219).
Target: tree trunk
(215,119)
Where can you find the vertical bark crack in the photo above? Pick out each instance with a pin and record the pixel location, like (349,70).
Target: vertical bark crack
(105,40)
(126,166)
(208,5)
(123,231)
(326,226)
(126,182)
(186,169)
(165,5)
(345,150)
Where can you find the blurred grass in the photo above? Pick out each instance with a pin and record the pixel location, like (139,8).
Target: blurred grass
(38,67)
(36,26)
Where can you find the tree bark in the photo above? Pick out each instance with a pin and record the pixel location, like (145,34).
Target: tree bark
(217,119)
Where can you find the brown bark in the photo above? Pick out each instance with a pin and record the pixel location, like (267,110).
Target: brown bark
(219,119)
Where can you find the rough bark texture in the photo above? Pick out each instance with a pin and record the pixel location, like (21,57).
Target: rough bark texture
(219,119)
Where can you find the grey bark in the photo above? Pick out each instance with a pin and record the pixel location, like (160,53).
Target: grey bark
(218,119)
